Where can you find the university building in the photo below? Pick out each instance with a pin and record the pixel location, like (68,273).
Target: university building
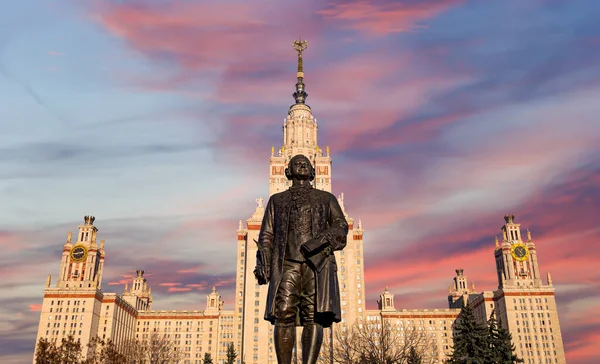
(77,305)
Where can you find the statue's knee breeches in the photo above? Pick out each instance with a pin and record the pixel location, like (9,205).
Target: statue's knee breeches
(295,298)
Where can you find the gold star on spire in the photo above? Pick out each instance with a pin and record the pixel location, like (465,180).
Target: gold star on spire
(300,46)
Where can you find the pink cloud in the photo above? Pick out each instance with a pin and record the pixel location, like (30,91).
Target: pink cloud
(35,307)
(10,240)
(181,289)
(190,270)
(584,327)
(584,350)
(381,19)
(200,36)
(224,282)
(119,282)
(171,284)
(199,286)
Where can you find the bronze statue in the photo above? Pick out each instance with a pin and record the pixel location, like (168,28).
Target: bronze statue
(300,230)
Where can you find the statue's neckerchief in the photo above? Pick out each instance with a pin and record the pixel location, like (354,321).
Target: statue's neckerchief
(300,194)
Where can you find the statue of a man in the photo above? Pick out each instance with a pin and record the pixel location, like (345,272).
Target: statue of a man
(300,230)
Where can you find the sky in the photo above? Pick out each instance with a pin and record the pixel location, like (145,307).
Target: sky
(158,118)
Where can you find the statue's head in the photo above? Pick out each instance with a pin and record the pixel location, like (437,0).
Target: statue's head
(300,168)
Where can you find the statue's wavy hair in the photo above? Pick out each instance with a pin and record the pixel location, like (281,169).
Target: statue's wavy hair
(288,174)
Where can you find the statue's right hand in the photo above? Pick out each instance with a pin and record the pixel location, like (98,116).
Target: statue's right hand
(261,274)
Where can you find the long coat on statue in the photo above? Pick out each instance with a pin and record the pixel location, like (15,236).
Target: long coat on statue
(329,232)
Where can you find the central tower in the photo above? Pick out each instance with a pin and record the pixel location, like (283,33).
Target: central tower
(253,335)
(300,132)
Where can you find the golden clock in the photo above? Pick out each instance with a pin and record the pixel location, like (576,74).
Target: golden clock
(519,252)
(79,253)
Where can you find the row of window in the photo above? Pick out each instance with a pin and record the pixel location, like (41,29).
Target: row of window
(66,317)
(542,322)
(177,323)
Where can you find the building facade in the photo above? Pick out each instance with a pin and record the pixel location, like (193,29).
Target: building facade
(523,303)
(77,305)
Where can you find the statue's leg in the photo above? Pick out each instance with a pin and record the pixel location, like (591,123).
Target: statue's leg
(312,333)
(285,336)
(286,309)
(312,338)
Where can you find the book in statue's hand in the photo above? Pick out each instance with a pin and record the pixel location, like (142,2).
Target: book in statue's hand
(316,252)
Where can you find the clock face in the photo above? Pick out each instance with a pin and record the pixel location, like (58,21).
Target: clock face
(520,252)
(78,253)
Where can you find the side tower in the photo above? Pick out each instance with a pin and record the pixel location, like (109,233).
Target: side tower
(82,262)
(525,305)
(459,292)
(140,295)
(73,306)
(253,335)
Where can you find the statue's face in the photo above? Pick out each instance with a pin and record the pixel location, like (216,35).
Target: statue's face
(300,168)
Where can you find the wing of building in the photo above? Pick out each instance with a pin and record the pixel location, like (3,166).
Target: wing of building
(78,306)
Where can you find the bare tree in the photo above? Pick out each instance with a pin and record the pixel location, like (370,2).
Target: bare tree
(69,351)
(46,352)
(156,349)
(104,352)
(379,342)
(346,348)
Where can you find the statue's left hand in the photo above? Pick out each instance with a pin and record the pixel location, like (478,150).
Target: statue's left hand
(261,274)
(312,247)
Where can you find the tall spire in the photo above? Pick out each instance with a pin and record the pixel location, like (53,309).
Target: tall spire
(300,95)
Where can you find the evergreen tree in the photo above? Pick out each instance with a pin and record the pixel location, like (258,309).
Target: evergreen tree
(231,354)
(502,348)
(413,357)
(207,359)
(471,340)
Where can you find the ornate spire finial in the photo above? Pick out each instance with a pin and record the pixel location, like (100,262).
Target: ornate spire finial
(69,237)
(89,220)
(528,235)
(300,95)
(300,46)
(549,279)
(509,218)
(496,241)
